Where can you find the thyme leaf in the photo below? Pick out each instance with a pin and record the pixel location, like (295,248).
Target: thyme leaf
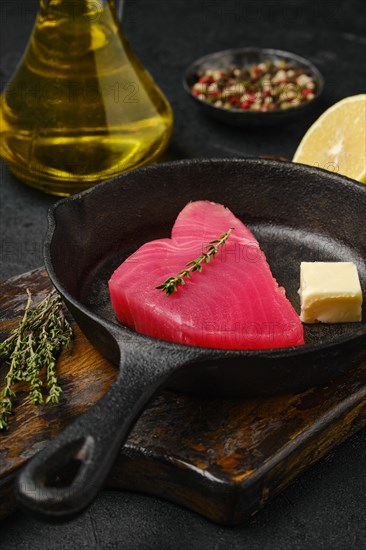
(210,250)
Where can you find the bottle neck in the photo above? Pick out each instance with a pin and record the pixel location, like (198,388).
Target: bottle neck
(71,8)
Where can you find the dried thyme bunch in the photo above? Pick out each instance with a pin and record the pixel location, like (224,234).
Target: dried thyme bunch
(32,347)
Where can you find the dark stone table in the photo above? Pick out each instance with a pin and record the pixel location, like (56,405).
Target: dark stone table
(325,507)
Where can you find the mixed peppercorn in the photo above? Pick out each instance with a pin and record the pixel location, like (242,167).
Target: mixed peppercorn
(267,86)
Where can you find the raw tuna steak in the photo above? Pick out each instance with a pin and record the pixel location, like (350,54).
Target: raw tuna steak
(234,303)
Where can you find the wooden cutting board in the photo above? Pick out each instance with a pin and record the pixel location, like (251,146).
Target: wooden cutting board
(221,458)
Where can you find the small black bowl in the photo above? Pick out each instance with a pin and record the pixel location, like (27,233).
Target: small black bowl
(245,57)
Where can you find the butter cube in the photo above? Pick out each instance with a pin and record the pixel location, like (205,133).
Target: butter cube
(330,292)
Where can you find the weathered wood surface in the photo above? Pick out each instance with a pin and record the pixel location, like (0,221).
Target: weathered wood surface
(222,458)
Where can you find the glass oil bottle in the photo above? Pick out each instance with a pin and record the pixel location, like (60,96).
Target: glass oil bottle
(80,107)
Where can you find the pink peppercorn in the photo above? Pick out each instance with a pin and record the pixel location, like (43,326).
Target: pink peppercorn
(306,92)
(206,80)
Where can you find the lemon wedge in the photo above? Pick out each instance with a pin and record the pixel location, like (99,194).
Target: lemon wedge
(337,139)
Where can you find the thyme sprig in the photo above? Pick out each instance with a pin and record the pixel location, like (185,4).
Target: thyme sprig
(210,250)
(30,348)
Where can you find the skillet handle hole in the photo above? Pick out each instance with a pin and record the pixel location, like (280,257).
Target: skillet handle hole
(62,468)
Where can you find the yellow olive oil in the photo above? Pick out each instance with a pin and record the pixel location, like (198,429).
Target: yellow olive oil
(80,108)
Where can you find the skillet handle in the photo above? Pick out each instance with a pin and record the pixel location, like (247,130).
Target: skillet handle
(64,478)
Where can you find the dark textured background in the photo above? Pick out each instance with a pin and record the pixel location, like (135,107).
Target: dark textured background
(325,508)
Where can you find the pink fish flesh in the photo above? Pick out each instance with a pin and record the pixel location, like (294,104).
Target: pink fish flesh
(234,303)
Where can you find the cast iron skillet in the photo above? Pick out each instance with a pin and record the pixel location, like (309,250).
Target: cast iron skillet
(297,213)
